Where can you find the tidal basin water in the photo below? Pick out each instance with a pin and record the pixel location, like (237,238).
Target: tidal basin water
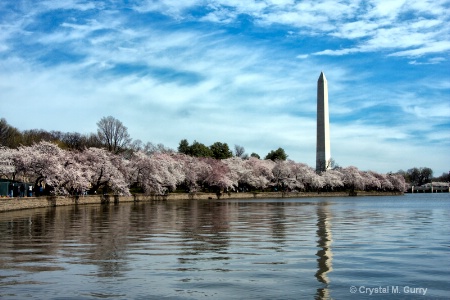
(310,248)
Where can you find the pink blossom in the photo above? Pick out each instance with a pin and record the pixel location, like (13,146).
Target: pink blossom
(6,162)
(352,178)
(259,173)
(103,170)
(157,173)
(219,175)
(332,179)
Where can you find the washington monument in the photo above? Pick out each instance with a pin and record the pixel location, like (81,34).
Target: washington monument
(323,154)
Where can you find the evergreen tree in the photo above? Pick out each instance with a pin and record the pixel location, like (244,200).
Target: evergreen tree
(200,150)
(220,150)
(184,147)
(278,154)
(255,155)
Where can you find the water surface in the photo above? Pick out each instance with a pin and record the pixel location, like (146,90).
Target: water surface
(323,248)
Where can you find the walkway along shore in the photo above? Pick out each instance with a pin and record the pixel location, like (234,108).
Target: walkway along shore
(9,204)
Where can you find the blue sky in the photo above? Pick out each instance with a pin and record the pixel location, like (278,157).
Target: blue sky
(240,72)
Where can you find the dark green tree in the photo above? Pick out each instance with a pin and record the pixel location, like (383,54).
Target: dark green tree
(200,150)
(255,155)
(445,177)
(220,150)
(73,141)
(184,147)
(278,154)
(426,174)
(412,176)
(9,136)
(419,176)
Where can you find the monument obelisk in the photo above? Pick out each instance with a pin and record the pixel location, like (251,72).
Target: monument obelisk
(323,154)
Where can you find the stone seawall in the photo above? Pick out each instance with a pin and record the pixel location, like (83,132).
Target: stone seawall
(8,204)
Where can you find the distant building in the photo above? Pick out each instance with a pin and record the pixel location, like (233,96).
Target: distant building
(432,187)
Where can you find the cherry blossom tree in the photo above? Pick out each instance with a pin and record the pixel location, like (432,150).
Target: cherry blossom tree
(136,167)
(290,175)
(372,180)
(305,177)
(238,171)
(219,176)
(74,180)
(379,181)
(157,173)
(169,169)
(352,178)
(398,182)
(7,168)
(68,172)
(332,179)
(259,173)
(283,178)
(195,171)
(104,170)
(49,166)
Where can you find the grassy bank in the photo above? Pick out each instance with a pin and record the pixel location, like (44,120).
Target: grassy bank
(8,204)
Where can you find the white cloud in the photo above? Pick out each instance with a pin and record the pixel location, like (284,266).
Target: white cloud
(337,52)
(70,4)
(220,16)
(431,61)
(174,8)
(374,26)
(357,29)
(422,35)
(203,83)
(433,47)
(386,9)
(303,56)
(424,111)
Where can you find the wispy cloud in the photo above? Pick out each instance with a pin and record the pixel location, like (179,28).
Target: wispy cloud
(241,72)
(373,26)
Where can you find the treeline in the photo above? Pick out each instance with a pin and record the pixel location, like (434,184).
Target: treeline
(13,138)
(97,170)
(220,150)
(420,176)
(113,137)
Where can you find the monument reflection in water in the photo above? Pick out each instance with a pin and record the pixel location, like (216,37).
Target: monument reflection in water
(324,253)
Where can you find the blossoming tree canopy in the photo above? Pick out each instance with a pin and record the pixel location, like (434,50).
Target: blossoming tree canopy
(159,172)
(104,170)
(6,162)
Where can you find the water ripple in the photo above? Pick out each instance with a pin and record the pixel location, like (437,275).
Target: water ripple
(232,249)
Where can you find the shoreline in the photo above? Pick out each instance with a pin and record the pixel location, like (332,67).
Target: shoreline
(11,204)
